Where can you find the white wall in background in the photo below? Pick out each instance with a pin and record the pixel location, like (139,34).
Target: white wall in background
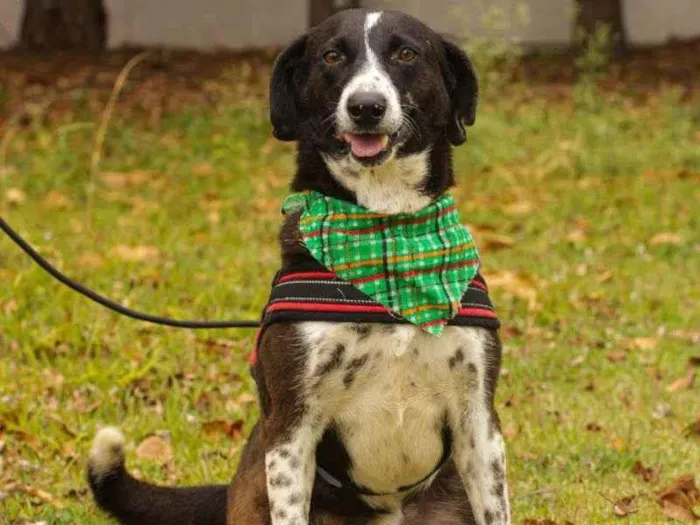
(541,21)
(10,15)
(206,24)
(656,21)
(237,24)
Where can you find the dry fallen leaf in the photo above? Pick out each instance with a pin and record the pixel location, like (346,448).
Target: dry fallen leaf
(666,238)
(619,444)
(683,383)
(90,260)
(116,180)
(623,506)
(678,499)
(228,428)
(662,410)
(518,208)
(15,196)
(576,236)
(246,398)
(617,356)
(648,474)
(643,343)
(55,200)
(491,242)
(34,492)
(516,284)
(155,448)
(136,253)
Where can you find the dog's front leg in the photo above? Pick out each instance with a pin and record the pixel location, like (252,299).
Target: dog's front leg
(479,449)
(290,465)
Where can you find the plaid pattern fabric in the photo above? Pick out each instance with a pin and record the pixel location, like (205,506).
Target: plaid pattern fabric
(416,265)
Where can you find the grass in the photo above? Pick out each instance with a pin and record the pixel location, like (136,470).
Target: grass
(586,216)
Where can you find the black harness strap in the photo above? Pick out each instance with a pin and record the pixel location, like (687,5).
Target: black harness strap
(309,292)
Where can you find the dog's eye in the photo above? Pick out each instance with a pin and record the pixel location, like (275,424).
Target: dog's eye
(333,58)
(406,55)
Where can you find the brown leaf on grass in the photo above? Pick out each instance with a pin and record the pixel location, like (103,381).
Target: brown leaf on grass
(662,410)
(519,285)
(648,474)
(518,208)
(693,430)
(623,506)
(576,236)
(619,444)
(15,196)
(616,356)
(55,200)
(246,398)
(642,343)
(579,360)
(90,260)
(155,448)
(683,383)
(491,242)
(138,253)
(228,428)
(34,493)
(692,336)
(666,238)
(118,180)
(678,499)
(202,169)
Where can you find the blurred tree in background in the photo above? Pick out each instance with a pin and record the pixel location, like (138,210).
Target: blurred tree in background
(64,25)
(596,16)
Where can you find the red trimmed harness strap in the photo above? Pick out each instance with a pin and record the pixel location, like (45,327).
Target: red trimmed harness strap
(309,292)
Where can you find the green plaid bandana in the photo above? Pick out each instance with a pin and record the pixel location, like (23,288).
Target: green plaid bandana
(418,265)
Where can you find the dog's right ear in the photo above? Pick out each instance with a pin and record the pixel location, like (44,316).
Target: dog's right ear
(284,103)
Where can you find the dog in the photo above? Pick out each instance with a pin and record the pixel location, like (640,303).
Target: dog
(402,422)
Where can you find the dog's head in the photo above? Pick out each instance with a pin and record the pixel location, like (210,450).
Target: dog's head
(375,93)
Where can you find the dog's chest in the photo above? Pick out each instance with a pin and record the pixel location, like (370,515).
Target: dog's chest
(388,389)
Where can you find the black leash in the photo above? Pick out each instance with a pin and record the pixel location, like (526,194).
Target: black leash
(70,283)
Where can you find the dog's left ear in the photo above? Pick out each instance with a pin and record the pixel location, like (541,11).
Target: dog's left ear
(463,88)
(284,106)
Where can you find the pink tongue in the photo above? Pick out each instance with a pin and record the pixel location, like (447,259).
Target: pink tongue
(365,145)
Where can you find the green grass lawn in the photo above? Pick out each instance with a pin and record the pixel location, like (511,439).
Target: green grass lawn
(586,216)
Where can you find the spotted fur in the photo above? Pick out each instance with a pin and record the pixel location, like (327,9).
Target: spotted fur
(380,405)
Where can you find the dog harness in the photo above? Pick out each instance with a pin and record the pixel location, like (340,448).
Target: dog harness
(309,292)
(372,268)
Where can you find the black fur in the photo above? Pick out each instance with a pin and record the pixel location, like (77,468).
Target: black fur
(136,502)
(439,94)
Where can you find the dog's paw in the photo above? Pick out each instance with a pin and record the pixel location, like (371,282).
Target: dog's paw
(107,452)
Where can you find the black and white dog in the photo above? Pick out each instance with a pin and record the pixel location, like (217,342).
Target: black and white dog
(376,101)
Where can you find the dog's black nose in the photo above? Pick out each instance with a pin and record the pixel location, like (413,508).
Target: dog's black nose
(367,108)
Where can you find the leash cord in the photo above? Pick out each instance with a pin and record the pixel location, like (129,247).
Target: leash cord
(100,299)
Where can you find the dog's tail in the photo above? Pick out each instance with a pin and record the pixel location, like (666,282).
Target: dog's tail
(135,502)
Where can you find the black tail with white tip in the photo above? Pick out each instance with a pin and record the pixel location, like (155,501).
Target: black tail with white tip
(135,502)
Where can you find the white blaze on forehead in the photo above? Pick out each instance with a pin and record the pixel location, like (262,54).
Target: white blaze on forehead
(370,21)
(371,78)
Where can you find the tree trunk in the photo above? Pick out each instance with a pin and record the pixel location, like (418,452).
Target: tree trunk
(319,10)
(595,14)
(64,25)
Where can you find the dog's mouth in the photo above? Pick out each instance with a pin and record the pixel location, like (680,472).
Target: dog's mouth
(367,148)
